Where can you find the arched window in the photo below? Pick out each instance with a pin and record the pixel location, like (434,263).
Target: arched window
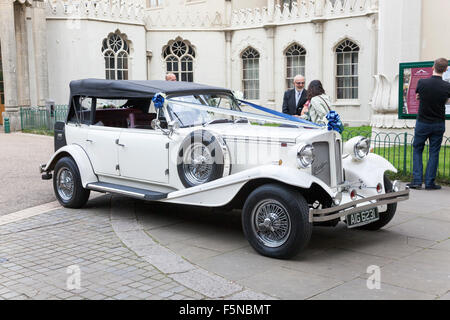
(295,63)
(250,73)
(347,70)
(116,50)
(179,57)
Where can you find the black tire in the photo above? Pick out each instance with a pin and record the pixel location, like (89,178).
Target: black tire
(295,209)
(212,148)
(75,197)
(385,217)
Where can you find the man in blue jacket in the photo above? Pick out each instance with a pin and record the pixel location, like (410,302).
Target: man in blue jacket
(432,93)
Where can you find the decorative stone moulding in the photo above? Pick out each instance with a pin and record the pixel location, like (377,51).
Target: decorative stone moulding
(385,104)
(303,12)
(183,19)
(129,10)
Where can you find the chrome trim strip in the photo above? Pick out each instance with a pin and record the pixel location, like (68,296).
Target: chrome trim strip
(320,215)
(265,140)
(113,190)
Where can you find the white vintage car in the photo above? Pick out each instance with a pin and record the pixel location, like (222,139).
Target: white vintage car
(194,145)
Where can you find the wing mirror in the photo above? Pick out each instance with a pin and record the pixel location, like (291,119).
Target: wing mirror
(155,124)
(172,126)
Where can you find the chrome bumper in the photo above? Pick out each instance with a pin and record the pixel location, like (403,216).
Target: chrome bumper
(321,215)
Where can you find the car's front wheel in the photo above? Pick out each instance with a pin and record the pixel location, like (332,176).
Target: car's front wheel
(67,184)
(275,221)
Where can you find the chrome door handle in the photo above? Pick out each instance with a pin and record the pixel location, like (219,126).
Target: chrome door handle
(89,140)
(119,144)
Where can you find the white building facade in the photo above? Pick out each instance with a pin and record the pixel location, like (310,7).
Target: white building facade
(252,46)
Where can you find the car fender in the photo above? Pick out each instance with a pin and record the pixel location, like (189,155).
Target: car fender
(369,170)
(221,191)
(81,159)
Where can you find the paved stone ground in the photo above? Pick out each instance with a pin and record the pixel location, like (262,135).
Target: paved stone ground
(35,254)
(412,252)
(38,256)
(21,185)
(129,249)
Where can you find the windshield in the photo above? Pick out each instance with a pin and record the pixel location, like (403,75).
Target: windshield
(188,116)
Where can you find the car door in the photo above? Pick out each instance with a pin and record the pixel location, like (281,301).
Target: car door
(144,155)
(102,148)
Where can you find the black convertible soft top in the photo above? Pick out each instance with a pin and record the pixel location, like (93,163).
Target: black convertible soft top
(100,88)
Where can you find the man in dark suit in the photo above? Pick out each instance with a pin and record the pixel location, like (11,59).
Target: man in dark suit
(433,93)
(294,99)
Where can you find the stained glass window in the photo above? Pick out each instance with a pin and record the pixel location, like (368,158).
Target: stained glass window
(116,50)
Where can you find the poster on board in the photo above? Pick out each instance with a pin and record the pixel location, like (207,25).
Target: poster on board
(446,77)
(409,76)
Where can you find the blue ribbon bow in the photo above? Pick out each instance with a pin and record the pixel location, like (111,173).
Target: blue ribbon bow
(158,100)
(334,122)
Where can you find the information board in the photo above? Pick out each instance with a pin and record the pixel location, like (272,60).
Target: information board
(409,76)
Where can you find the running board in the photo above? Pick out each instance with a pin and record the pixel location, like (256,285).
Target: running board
(128,191)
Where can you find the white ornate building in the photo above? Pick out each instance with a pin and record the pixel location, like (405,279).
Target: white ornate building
(253,46)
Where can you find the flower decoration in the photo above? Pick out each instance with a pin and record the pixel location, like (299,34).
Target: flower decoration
(159,100)
(334,122)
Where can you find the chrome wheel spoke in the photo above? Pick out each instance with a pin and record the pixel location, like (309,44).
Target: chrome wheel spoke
(65,183)
(272,225)
(198,164)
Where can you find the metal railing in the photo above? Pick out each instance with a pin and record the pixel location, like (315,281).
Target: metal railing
(397,148)
(42,118)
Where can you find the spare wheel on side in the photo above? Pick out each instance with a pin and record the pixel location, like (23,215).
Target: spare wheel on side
(203,157)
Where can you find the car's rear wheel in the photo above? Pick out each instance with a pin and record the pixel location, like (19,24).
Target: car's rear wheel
(385,217)
(67,184)
(275,221)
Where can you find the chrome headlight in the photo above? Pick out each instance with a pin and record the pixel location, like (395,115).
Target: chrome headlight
(305,155)
(362,148)
(357,147)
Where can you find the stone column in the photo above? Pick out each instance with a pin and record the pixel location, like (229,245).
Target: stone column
(270,9)
(228,13)
(31,60)
(318,72)
(8,47)
(40,49)
(23,79)
(270,65)
(228,80)
(318,27)
(398,41)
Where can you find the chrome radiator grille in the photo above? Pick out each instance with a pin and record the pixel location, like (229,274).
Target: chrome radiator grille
(338,159)
(321,167)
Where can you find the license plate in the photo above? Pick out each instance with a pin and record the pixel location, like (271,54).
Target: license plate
(361,218)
